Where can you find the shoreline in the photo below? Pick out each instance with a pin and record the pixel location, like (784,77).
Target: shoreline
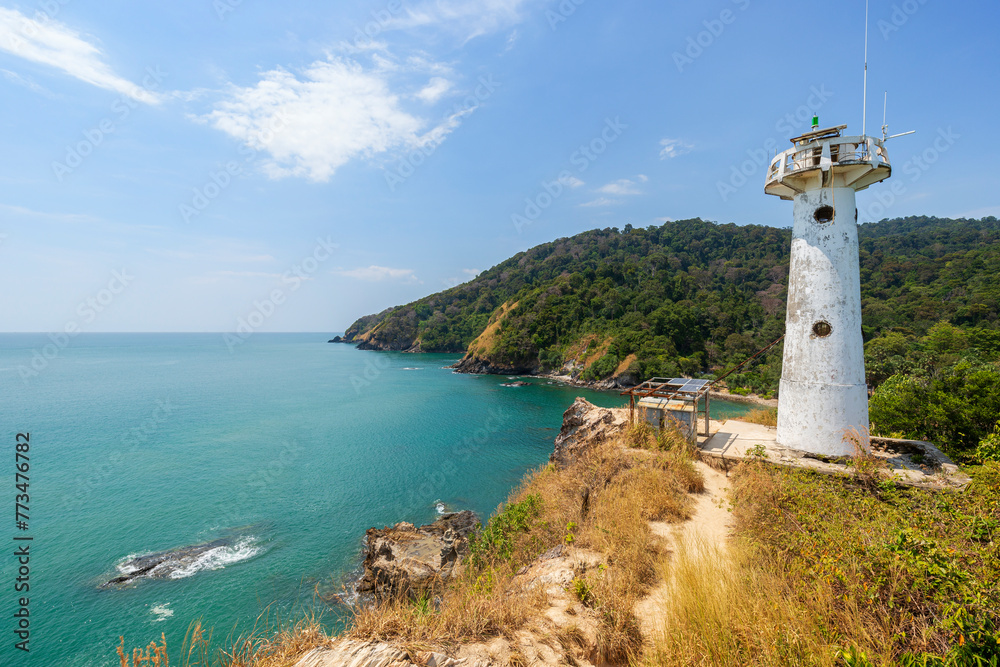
(609,384)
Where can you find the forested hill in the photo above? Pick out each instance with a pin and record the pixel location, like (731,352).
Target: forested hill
(687,297)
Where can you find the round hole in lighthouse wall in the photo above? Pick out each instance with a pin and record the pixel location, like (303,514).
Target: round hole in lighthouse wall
(823,214)
(822,329)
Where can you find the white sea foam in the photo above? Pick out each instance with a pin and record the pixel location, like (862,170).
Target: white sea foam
(162,612)
(220,557)
(411,368)
(123,565)
(439,506)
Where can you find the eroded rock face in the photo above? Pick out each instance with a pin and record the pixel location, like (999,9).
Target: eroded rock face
(406,560)
(478,366)
(347,653)
(585,425)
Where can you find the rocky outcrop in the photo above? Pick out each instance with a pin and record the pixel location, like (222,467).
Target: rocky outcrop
(406,560)
(396,344)
(347,653)
(585,425)
(479,366)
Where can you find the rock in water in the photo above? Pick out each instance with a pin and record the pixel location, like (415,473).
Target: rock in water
(162,564)
(585,425)
(405,560)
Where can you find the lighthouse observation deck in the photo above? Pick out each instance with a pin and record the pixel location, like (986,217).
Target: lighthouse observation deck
(825,158)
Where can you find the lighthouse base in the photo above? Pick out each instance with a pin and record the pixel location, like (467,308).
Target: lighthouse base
(822,419)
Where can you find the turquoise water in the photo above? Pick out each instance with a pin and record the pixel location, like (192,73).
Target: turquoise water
(289,446)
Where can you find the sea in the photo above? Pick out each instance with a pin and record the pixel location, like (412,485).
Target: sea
(279,450)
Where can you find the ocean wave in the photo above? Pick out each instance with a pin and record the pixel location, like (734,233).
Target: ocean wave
(162,612)
(440,507)
(219,557)
(125,564)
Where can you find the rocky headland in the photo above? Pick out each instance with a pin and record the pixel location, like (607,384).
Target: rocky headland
(409,560)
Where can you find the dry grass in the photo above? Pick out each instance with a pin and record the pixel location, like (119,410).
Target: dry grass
(602,501)
(486,341)
(832,570)
(594,354)
(625,364)
(261,647)
(154,655)
(735,608)
(762,416)
(476,605)
(264,648)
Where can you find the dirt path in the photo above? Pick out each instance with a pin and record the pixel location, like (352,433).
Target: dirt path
(710,521)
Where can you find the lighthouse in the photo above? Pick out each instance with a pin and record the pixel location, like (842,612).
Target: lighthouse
(823,395)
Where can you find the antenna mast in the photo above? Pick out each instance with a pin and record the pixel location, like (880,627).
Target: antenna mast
(885,103)
(864,94)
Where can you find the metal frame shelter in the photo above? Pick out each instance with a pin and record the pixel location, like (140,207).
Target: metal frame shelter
(673,389)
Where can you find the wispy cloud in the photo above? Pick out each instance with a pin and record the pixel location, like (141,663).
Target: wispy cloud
(671,148)
(570,181)
(600,201)
(251,274)
(467,19)
(981,212)
(28,83)
(57,45)
(472,273)
(434,90)
(216,252)
(624,186)
(378,273)
(72,218)
(335,110)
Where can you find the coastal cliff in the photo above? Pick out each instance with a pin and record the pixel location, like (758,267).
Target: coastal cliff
(408,561)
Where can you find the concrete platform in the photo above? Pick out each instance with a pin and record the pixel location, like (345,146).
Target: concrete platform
(908,462)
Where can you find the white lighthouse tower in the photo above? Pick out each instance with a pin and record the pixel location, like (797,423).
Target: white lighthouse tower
(823,395)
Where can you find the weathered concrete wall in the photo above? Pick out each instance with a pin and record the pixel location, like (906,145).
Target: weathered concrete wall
(823,391)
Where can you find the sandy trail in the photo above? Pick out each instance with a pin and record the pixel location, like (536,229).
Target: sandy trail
(709,524)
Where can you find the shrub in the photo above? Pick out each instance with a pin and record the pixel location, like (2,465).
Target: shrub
(495,541)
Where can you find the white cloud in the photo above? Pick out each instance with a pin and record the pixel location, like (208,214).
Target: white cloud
(511,40)
(253,274)
(472,273)
(27,82)
(570,181)
(312,124)
(57,45)
(45,215)
(378,273)
(601,201)
(981,213)
(671,148)
(624,186)
(434,90)
(469,19)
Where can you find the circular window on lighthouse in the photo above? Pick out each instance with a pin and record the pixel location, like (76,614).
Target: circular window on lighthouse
(822,329)
(823,214)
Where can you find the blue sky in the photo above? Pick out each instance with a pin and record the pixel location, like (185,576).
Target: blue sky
(220,164)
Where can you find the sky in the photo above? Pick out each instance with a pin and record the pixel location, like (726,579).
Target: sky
(243,166)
